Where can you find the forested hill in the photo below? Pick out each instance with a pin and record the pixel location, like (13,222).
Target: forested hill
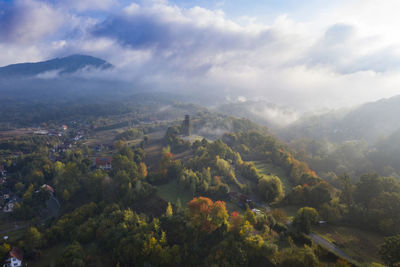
(64,65)
(370,121)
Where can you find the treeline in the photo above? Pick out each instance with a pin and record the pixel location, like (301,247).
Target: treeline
(202,234)
(354,157)
(373,203)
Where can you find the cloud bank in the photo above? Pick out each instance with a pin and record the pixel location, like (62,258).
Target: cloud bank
(327,59)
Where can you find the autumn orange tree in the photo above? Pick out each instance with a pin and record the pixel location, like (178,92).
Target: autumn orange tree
(206,214)
(235,221)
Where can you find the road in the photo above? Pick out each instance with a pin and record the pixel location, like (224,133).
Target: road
(331,247)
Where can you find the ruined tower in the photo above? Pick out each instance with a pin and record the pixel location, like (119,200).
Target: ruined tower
(186,127)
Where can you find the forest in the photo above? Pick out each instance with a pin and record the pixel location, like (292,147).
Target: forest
(172,201)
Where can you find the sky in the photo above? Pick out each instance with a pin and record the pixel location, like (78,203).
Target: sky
(307,54)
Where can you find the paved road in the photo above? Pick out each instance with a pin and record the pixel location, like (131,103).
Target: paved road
(328,245)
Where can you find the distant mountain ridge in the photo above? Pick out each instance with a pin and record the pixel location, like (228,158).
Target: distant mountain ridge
(371,121)
(65,65)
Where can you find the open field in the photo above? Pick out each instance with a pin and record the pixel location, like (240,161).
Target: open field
(270,169)
(360,245)
(171,192)
(15,133)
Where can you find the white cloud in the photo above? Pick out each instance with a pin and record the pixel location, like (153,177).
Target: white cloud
(83,5)
(28,20)
(346,55)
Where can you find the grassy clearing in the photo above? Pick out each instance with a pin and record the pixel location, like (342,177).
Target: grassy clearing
(171,192)
(360,245)
(233,207)
(270,169)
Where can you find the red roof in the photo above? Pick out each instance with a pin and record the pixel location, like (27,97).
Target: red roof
(17,253)
(103,161)
(48,188)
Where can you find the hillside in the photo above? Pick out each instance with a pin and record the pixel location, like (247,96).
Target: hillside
(63,65)
(370,122)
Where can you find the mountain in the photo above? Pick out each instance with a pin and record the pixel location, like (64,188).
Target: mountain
(371,121)
(63,65)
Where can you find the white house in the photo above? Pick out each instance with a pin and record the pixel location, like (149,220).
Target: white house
(14,259)
(8,207)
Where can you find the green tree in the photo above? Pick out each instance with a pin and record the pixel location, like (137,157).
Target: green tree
(169,211)
(32,238)
(270,188)
(305,217)
(347,189)
(73,256)
(390,251)
(19,187)
(299,257)
(4,249)
(250,216)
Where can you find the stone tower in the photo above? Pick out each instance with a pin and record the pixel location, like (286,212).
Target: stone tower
(186,129)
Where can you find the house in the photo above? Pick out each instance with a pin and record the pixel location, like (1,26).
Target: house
(48,188)
(9,207)
(104,163)
(257,212)
(41,132)
(15,258)
(64,127)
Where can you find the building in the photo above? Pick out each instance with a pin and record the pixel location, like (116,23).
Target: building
(15,258)
(104,163)
(41,132)
(9,207)
(48,188)
(186,127)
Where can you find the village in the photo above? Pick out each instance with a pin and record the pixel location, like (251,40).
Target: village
(61,140)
